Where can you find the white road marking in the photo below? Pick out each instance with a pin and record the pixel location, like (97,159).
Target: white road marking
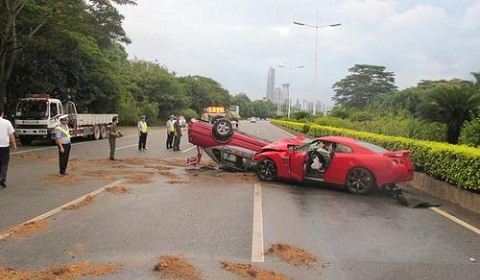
(47,148)
(126,147)
(58,209)
(187,150)
(257,234)
(456,220)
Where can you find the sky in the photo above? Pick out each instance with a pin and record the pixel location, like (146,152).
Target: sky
(236,42)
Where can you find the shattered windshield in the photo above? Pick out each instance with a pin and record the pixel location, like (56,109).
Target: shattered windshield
(32,109)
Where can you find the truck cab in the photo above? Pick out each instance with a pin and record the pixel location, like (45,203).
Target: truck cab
(36,117)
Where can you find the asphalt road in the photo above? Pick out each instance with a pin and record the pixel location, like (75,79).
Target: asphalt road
(207,216)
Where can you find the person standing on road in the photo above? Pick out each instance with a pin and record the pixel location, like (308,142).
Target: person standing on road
(178,134)
(142,134)
(113,135)
(170,132)
(6,138)
(62,138)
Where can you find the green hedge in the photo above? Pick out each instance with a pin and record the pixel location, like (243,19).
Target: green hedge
(456,164)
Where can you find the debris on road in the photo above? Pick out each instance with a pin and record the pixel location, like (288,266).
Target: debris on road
(60,272)
(117,190)
(292,255)
(172,266)
(86,201)
(248,271)
(26,229)
(411,197)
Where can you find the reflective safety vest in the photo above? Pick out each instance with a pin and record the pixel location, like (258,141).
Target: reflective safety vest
(144,128)
(65,132)
(171,126)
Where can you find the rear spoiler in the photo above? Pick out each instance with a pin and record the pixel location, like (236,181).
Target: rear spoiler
(398,154)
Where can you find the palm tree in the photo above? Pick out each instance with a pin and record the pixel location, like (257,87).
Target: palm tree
(452,106)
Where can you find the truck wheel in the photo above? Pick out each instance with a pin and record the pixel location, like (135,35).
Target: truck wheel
(103,132)
(96,132)
(25,140)
(222,130)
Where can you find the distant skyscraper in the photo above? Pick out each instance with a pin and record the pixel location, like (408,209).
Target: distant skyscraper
(271,85)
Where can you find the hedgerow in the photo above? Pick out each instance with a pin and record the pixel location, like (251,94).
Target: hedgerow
(458,165)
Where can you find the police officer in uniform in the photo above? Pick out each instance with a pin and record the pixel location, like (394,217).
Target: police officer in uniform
(142,134)
(62,138)
(170,132)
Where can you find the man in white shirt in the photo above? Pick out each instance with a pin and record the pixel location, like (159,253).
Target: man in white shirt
(62,138)
(6,137)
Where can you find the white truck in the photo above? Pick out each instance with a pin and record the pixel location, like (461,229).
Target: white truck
(37,116)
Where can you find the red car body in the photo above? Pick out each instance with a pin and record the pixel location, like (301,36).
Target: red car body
(358,165)
(202,133)
(223,144)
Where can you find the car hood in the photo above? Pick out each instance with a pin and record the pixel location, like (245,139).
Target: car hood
(283,144)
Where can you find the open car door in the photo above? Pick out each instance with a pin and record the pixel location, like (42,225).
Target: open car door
(297,163)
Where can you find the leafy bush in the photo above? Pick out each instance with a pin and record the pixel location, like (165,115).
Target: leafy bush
(455,164)
(470,134)
(302,115)
(361,116)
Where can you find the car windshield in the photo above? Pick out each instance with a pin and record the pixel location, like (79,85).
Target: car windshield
(305,145)
(371,147)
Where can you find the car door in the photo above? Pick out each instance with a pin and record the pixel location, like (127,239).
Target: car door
(297,162)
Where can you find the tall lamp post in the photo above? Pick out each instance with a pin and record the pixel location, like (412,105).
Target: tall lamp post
(316,26)
(290,81)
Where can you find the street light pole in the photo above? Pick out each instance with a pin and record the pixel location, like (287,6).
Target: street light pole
(316,26)
(290,84)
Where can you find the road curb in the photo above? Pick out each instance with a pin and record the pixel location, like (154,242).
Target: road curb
(448,192)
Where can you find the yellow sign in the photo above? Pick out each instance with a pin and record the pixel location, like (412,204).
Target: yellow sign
(215,109)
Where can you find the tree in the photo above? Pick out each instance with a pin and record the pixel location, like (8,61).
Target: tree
(204,92)
(262,108)
(453,106)
(245,104)
(36,28)
(364,84)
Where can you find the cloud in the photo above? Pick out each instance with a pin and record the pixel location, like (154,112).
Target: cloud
(235,42)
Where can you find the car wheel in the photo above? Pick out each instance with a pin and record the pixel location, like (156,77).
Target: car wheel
(222,130)
(266,170)
(215,119)
(360,181)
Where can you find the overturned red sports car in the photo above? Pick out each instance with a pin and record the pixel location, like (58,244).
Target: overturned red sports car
(226,146)
(358,165)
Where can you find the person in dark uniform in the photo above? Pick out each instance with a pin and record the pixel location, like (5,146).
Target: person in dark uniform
(178,134)
(113,135)
(62,138)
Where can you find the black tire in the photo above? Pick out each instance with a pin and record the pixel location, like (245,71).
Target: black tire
(266,170)
(360,181)
(222,130)
(103,132)
(26,140)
